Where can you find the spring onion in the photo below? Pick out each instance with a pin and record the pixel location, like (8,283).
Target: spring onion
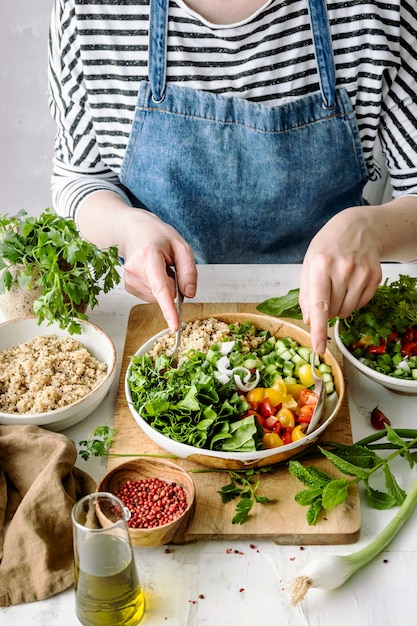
(332,571)
(243,382)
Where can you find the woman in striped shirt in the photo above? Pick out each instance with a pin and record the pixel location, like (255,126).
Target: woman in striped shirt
(238,132)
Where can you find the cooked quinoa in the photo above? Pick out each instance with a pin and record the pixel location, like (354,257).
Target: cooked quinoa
(199,335)
(47,373)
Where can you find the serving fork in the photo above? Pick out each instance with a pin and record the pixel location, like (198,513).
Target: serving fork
(320,391)
(179,298)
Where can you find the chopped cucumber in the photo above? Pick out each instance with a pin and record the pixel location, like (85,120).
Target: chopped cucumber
(329,387)
(325,368)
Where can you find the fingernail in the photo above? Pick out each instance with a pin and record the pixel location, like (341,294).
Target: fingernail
(189,291)
(171,325)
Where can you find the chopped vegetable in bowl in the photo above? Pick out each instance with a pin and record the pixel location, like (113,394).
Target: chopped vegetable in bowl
(247,391)
(382,335)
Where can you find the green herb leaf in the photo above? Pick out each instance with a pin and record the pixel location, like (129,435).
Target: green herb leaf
(48,252)
(397,441)
(311,476)
(313,512)
(359,456)
(327,494)
(393,487)
(379,500)
(98,442)
(334,493)
(242,487)
(308,496)
(284,306)
(243,508)
(345,466)
(229,492)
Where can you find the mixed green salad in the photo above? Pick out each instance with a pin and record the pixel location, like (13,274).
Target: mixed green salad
(229,397)
(382,334)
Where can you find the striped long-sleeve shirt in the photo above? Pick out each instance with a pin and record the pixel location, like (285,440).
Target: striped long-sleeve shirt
(99,55)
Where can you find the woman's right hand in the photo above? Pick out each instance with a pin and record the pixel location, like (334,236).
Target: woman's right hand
(148,246)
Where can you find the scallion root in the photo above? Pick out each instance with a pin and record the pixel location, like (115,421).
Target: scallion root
(299,589)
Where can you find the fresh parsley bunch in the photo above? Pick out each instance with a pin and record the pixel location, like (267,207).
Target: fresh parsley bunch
(49,252)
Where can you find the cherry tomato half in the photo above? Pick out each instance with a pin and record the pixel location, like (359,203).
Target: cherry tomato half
(272,440)
(286,418)
(286,435)
(298,432)
(307,396)
(267,409)
(305,414)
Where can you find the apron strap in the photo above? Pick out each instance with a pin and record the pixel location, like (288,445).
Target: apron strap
(158,35)
(324,51)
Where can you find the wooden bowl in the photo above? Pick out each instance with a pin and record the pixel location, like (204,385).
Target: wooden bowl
(140,468)
(245,460)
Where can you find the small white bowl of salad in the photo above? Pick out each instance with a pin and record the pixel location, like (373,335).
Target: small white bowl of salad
(242,401)
(380,339)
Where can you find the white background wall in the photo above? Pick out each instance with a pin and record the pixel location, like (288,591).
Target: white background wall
(26,127)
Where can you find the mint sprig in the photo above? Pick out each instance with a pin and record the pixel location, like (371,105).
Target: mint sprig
(360,461)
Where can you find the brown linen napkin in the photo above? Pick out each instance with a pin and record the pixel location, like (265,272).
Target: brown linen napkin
(38,487)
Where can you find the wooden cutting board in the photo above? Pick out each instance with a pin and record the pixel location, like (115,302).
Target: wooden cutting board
(284,521)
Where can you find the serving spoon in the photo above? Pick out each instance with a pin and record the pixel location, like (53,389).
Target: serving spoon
(320,391)
(179,298)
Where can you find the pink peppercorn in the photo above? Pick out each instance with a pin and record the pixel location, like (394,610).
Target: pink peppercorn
(152,502)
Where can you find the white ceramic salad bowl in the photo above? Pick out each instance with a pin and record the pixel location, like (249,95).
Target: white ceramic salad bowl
(398,385)
(98,343)
(236,460)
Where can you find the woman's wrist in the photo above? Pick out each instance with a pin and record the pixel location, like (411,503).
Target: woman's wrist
(104,218)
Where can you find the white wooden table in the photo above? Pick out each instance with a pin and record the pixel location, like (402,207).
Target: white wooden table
(206,584)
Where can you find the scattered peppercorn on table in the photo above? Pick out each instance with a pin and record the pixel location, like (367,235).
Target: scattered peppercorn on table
(245,581)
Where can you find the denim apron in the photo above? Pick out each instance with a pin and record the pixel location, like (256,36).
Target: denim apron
(243,182)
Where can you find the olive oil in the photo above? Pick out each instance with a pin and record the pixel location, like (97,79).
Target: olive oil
(107,588)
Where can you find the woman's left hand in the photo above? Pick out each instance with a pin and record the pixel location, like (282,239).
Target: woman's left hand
(341,271)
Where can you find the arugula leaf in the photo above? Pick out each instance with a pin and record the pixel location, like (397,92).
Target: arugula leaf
(396,440)
(189,404)
(308,496)
(358,455)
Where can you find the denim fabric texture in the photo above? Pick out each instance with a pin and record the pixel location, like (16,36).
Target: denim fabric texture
(241,181)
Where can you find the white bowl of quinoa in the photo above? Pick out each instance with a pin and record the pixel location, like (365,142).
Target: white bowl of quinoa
(185,424)
(50,378)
